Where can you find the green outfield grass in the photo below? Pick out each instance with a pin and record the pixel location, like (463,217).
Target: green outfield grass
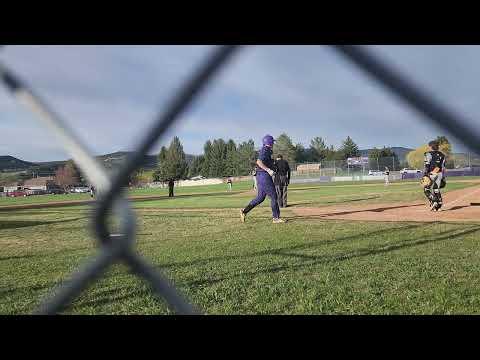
(307,266)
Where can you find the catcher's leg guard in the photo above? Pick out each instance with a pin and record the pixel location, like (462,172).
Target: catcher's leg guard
(438,199)
(428,195)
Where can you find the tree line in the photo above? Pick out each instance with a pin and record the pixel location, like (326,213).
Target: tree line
(222,158)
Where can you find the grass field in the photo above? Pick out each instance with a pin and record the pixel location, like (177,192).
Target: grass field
(307,266)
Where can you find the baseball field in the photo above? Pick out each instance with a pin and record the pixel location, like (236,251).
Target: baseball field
(347,248)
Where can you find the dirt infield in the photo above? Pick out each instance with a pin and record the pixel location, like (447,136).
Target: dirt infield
(457,207)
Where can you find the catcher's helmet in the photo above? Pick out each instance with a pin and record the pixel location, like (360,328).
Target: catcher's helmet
(268,140)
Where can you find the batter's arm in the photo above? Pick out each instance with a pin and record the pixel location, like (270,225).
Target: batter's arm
(261,165)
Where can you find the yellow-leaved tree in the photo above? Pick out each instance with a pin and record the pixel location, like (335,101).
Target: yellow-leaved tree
(416,157)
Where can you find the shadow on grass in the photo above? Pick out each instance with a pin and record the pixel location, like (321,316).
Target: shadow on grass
(111,295)
(15,257)
(16,224)
(28,289)
(181,196)
(310,260)
(315,244)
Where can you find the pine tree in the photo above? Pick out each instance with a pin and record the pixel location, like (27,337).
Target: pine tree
(349,148)
(172,165)
(231,159)
(246,157)
(318,149)
(301,154)
(196,167)
(161,159)
(207,156)
(284,147)
(218,157)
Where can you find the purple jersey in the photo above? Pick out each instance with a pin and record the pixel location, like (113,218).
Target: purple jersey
(265,155)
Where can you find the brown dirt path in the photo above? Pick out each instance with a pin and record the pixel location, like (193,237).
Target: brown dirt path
(457,207)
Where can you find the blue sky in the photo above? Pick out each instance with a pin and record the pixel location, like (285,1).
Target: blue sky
(110,94)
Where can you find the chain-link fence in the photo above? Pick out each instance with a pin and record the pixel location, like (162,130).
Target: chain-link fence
(116,245)
(371,168)
(361,166)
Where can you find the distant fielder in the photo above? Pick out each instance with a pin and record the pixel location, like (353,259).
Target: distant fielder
(264,182)
(387,176)
(433,176)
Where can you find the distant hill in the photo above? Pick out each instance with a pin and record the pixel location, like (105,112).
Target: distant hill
(10,163)
(401,152)
(110,161)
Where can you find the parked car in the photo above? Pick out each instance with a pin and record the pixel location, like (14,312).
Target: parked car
(375,173)
(31,192)
(81,190)
(17,193)
(410,171)
(55,191)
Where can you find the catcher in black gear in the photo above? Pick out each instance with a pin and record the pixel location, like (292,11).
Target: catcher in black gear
(433,176)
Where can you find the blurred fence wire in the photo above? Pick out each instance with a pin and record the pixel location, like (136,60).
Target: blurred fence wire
(116,245)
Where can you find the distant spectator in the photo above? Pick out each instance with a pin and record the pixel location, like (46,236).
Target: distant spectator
(171,184)
(92,191)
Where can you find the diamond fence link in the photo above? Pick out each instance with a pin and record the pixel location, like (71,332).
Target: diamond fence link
(119,247)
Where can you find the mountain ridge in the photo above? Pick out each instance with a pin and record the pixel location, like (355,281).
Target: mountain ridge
(10,163)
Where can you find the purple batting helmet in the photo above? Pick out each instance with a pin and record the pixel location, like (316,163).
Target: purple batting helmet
(268,140)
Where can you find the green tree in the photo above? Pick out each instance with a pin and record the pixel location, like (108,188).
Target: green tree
(231,159)
(218,158)
(284,146)
(161,159)
(246,157)
(301,154)
(173,165)
(318,149)
(331,154)
(349,148)
(196,166)
(207,156)
(381,158)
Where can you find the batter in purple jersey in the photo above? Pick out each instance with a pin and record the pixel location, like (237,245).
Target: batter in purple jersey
(265,185)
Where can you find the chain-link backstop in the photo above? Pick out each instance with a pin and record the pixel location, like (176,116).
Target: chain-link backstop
(116,245)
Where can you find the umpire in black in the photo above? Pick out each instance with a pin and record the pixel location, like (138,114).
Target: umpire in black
(281,180)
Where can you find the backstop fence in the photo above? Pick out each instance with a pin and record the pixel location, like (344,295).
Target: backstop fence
(365,168)
(117,244)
